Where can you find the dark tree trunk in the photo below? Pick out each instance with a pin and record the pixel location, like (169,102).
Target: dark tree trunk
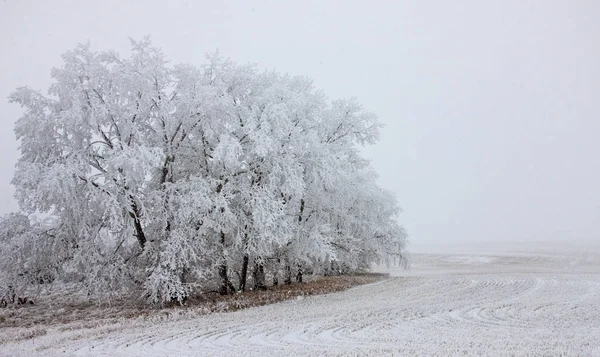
(223,278)
(301,210)
(135,214)
(167,176)
(244,274)
(276,274)
(299,275)
(11,294)
(139,231)
(288,275)
(231,287)
(259,275)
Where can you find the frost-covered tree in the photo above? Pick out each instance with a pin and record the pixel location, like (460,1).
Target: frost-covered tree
(161,178)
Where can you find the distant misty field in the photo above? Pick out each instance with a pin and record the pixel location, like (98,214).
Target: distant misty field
(530,299)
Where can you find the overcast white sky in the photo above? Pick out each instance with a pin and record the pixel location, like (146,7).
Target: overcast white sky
(492,108)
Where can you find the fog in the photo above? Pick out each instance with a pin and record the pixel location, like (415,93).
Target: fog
(491,109)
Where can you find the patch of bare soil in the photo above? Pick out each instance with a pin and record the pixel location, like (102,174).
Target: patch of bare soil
(86,315)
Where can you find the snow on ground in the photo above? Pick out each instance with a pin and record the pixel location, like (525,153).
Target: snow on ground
(506,303)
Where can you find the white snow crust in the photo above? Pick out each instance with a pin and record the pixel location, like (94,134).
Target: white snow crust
(512,303)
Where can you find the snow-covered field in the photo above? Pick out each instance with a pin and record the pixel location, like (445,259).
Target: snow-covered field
(518,300)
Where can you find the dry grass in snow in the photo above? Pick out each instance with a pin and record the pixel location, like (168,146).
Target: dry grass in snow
(59,310)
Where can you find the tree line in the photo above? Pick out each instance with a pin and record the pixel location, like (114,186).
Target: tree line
(157,180)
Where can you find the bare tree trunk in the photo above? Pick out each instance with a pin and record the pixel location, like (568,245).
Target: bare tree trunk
(288,275)
(299,275)
(276,274)
(259,275)
(11,294)
(224,279)
(139,231)
(301,211)
(244,274)
(231,287)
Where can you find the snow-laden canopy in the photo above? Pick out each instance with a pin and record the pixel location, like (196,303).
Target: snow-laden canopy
(162,178)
